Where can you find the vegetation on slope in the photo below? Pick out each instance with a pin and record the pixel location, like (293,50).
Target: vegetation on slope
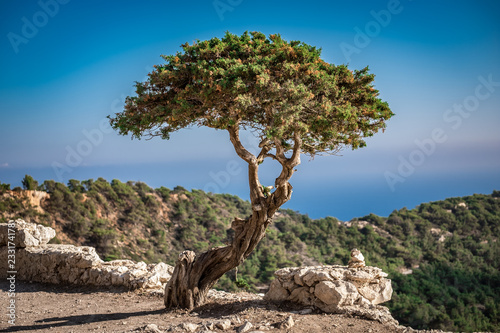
(443,257)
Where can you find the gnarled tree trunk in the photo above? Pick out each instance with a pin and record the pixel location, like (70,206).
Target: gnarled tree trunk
(194,275)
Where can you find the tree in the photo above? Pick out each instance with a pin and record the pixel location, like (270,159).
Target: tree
(49,186)
(29,183)
(75,186)
(4,187)
(293,101)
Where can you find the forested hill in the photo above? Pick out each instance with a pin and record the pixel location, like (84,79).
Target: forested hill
(443,257)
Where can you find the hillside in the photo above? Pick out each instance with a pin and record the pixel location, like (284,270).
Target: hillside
(443,257)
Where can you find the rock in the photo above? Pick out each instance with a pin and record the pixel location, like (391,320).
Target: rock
(80,257)
(377,293)
(26,234)
(163,270)
(57,263)
(301,295)
(235,321)
(276,292)
(360,276)
(335,289)
(336,293)
(299,275)
(190,327)
(314,276)
(223,324)
(286,324)
(372,312)
(52,263)
(357,259)
(151,328)
(337,272)
(208,327)
(247,326)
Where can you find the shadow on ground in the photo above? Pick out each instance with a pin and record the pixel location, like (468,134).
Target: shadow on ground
(78,320)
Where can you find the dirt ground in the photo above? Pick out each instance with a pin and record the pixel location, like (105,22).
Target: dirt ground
(56,308)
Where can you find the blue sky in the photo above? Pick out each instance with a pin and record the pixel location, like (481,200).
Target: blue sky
(66,65)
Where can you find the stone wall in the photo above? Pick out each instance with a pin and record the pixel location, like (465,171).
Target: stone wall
(356,290)
(37,261)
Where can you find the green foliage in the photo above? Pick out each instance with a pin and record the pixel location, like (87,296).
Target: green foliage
(4,187)
(242,283)
(75,186)
(29,183)
(279,89)
(163,192)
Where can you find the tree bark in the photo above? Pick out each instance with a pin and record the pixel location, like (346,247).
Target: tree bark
(194,275)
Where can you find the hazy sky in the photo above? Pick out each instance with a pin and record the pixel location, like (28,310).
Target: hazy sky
(66,65)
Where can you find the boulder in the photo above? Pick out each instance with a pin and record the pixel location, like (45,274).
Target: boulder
(301,295)
(377,293)
(276,292)
(314,276)
(26,234)
(337,293)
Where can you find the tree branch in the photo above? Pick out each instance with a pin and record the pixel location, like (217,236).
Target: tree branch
(234,136)
(280,152)
(264,144)
(283,191)
(295,159)
(256,194)
(271,156)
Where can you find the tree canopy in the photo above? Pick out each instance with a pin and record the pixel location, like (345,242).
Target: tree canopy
(282,91)
(29,183)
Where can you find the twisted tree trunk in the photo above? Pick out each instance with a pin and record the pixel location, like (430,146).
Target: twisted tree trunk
(194,275)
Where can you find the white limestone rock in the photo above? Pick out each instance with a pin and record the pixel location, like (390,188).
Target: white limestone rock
(247,326)
(337,293)
(377,293)
(277,292)
(26,234)
(335,289)
(314,276)
(55,263)
(357,259)
(223,324)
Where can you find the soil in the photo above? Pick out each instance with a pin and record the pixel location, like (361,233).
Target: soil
(68,308)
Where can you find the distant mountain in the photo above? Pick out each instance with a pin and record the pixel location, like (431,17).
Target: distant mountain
(443,257)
